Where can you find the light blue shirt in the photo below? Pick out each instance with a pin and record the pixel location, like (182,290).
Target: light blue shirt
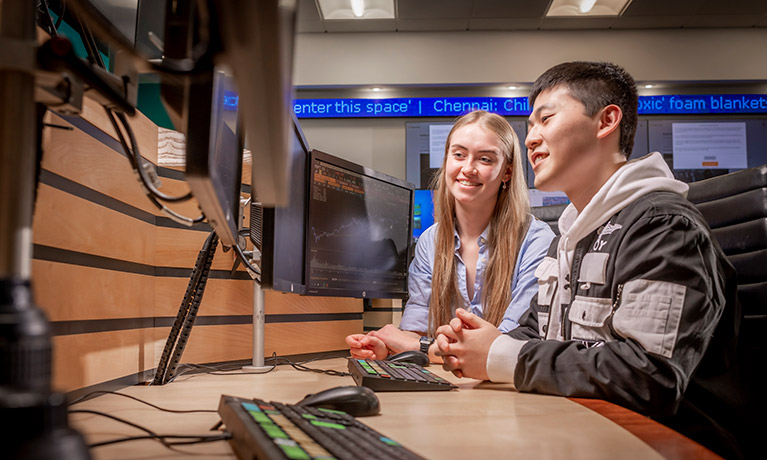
(524,284)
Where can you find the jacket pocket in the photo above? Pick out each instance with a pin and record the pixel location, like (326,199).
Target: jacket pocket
(547,273)
(650,312)
(588,319)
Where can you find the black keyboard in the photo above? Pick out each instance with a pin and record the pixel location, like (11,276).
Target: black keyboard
(395,376)
(285,431)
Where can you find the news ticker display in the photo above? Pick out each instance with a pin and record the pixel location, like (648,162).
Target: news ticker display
(517,106)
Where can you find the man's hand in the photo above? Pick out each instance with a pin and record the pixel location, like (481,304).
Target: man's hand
(365,346)
(464,344)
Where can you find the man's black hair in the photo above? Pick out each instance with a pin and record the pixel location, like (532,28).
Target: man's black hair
(596,85)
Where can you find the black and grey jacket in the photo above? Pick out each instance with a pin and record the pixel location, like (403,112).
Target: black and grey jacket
(631,297)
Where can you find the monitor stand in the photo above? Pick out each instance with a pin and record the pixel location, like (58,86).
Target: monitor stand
(259,319)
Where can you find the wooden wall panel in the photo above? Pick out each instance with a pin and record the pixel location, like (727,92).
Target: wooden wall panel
(69,222)
(180,247)
(83,159)
(110,270)
(144,130)
(379,319)
(209,344)
(222,297)
(308,337)
(235,342)
(69,292)
(285,303)
(88,359)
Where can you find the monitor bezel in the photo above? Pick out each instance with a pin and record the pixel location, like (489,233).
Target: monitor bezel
(318,155)
(269,280)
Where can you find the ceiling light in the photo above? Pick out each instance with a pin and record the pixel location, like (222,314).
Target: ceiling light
(511,87)
(648,86)
(375,89)
(586,6)
(356,9)
(559,8)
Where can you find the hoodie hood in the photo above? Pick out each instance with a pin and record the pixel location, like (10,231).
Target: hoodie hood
(632,181)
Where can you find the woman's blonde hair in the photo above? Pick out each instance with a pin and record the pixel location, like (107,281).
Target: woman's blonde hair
(508,227)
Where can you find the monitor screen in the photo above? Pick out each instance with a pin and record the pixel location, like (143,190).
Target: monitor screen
(214,154)
(423,211)
(282,229)
(359,230)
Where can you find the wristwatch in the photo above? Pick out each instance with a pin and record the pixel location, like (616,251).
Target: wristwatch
(425,342)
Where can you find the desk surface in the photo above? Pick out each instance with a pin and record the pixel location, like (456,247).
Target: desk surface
(479,420)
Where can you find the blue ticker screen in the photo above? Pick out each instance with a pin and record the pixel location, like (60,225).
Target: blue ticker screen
(517,106)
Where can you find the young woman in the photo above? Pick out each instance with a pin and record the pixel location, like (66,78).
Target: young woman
(466,259)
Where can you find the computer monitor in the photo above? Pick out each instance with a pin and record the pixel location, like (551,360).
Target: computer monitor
(214,155)
(358,232)
(423,211)
(254,41)
(279,232)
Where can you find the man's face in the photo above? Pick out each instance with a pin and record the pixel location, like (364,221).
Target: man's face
(561,142)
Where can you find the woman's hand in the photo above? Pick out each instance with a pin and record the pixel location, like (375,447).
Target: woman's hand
(378,344)
(365,346)
(396,339)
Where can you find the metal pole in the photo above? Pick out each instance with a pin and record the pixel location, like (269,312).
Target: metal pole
(18,131)
(259,319)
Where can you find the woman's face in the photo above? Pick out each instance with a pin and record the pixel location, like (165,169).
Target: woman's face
(475,166)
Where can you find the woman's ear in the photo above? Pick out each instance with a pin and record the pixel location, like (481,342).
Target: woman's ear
(609,120)
(507,173)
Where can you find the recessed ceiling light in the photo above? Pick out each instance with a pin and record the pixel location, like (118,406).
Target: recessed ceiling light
(375,89)
(586,8)
(511,87)
(356,9)
(648,86)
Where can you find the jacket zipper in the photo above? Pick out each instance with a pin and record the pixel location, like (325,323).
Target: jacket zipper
(616,304)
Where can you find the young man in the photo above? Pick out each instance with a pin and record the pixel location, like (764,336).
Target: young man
(636,302)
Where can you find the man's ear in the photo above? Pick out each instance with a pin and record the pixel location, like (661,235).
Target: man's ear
(609,120)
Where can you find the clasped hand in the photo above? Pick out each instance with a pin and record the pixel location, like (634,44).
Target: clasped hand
(464,344)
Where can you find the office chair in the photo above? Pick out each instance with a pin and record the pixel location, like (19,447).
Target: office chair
(735,207)
(550,215)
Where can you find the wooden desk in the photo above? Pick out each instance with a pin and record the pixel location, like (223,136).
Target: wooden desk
(479,420)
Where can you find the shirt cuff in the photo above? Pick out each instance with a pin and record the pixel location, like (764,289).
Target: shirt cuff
(502,358)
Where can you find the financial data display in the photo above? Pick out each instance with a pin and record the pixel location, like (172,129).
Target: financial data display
(358,231)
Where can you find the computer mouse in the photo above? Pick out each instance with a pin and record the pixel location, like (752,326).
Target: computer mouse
(355,401)
(411,356)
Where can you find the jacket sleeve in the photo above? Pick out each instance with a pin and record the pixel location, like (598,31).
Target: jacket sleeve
(671,282)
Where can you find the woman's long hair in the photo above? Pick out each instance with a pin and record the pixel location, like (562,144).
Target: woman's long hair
(508,227)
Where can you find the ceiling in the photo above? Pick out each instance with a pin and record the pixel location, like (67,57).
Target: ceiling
(506,15)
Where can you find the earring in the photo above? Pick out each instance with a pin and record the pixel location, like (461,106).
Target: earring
(504,185)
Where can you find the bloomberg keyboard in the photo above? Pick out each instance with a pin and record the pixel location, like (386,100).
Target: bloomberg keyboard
(285,431)
(395,376)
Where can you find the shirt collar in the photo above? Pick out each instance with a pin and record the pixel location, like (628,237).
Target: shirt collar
(481,241)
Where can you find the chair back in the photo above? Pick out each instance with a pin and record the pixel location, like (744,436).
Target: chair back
(550,215)
(735,207)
